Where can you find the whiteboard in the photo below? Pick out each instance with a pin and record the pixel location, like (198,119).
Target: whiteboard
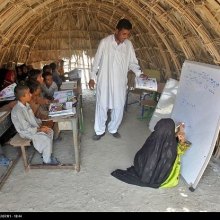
(165,103)
(197,105)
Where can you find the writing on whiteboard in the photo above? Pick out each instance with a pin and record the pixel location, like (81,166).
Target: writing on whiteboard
(202,79)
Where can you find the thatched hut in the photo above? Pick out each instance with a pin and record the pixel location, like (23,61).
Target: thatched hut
(165,33)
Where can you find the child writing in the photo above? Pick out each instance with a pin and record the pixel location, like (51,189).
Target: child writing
(28,126)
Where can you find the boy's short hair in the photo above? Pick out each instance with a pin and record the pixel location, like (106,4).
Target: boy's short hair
(20,89)
(53,66)
(45,74)
(33,74)
(45,67)
(33,85)
(124,24)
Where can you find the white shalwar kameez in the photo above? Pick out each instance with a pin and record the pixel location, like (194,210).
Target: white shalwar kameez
(26,125)
(112,63)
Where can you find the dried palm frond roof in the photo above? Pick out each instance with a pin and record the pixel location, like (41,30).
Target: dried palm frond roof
(165,32)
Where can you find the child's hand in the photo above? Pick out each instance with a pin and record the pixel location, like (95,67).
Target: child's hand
(181,137)
(45,129)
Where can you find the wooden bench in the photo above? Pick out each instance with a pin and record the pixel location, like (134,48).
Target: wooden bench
(18,141)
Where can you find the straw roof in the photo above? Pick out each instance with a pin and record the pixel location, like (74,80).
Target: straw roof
(165,32)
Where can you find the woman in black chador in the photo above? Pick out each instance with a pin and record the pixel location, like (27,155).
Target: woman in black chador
(157,159)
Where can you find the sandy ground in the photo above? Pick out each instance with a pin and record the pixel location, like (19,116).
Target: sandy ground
(93,188)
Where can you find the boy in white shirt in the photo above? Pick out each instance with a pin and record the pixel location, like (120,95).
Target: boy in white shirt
(28,126)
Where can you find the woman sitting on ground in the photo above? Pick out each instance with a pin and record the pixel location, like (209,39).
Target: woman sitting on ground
(157,163)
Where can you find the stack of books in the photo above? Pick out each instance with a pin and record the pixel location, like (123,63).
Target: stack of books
(64,105)
(59,109)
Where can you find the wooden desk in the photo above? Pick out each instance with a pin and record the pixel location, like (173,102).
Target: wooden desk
(76,122)
(140,92)
(17,141)
(73,120)
(76,142)
(69,122)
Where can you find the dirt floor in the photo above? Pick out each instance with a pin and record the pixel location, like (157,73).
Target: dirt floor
(93,189)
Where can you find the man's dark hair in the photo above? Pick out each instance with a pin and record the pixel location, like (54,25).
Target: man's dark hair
(20,89)
(124,24)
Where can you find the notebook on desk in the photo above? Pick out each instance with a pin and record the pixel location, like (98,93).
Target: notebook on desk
(147,84)
(64,96)
(59,109)
(8,92)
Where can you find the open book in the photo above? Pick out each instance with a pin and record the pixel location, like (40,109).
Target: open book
(8,92)
(64,96)
(59,109)
(148,84)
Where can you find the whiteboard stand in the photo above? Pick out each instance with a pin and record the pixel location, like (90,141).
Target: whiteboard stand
(197,105)
(193,186)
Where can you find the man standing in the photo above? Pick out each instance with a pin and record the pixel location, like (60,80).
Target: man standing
(114,58)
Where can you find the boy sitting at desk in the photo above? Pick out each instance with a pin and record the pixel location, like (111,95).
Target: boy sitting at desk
(49,86)
(39,110)
(35,75)
(30,127)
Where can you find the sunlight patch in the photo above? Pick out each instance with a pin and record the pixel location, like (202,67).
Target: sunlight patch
(183,195)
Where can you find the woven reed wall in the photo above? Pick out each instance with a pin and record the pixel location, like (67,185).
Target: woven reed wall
(165,32)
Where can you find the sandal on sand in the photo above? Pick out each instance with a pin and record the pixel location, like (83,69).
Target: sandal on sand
(4,161)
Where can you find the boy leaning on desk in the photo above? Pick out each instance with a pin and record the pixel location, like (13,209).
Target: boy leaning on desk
(30,127)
